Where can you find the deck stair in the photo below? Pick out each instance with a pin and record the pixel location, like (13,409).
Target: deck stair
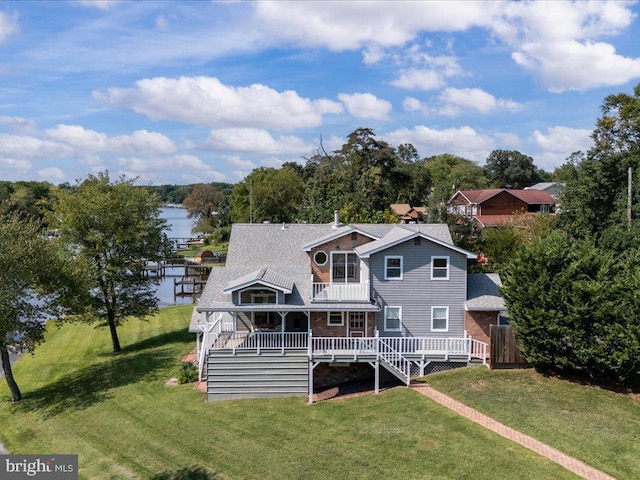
(394,361)
(248,374)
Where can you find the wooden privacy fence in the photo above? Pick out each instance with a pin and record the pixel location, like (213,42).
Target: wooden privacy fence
(505,351)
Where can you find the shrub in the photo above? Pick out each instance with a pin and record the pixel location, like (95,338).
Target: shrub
(575,308)
(188,373)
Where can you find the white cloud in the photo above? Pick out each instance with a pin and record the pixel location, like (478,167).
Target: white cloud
(558,42)
(52,174)
(240,163)
(366,105)
(8,25)
(254,140)
(84,140)
(411,104)
(456,100)
(415,79)
(17,123)
(31,147)
(207,101)
(14,164)
(563,139)
(147,168)
(99,4)
(463,141)
(354,25)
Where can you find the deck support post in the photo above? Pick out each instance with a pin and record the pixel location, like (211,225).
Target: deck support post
(377,384)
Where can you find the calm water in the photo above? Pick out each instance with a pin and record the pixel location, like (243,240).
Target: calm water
(179,226)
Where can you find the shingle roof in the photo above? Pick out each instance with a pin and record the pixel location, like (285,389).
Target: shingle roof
(401,234)
(483,292)
(278,252)
(532,197)
(265,276)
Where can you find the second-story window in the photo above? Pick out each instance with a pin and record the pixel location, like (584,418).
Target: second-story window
(393,267)
(253,296)
(439,268)
(345,267)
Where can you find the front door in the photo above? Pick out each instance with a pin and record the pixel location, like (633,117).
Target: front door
(357,324)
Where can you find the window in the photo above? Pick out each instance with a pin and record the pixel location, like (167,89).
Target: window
(258,296)
(320,258)
(354,236)
(393,268)
(334,319)
(356,320)
(345,268)
(439,268)
(392,319)
(417,241)
(440,319)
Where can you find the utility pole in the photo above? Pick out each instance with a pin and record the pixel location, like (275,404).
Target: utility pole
(629,195)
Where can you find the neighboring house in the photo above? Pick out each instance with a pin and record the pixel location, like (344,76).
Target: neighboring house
(409,214)
(304,306)
(552,188)
(492,207)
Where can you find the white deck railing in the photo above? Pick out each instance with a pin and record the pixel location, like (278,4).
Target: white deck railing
(344,345)
(341,292)
(258,341)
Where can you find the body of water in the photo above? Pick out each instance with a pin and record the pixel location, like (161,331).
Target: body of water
(178,226)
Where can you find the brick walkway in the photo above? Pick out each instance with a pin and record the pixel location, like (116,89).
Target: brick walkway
(572,464)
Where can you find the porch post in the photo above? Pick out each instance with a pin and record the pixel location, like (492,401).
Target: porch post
(310,378)
(377,368)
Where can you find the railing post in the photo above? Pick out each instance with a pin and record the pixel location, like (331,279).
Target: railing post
(309,340)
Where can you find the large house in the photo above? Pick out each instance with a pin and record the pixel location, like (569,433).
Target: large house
(298,307)
(492,207)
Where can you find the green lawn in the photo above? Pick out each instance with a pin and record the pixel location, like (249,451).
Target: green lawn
(116,413)
(600,427)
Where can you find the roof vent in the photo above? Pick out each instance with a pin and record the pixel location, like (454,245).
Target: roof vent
(336,219)
(284,227)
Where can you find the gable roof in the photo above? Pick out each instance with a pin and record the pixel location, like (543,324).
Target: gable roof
(483,292)
(337,233)
(265,277)
(400,235)
(401,208)
(531,197)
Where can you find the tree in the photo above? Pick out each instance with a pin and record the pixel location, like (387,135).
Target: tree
(450,173)
(33,284)
(205,204)
(575,308)
(113,228)
(597,199)
(268,194)
(511,169)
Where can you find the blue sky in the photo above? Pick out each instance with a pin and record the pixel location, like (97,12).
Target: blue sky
(186,92)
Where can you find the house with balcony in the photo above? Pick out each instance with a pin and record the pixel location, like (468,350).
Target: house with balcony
(497,206)
(299,307)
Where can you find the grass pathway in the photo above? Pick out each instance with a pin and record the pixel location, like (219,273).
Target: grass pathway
(572,464)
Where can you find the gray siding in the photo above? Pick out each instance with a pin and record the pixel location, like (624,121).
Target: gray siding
(416,293)
(252,375)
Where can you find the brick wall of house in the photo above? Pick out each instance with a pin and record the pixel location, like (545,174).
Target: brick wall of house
(477,324)
(322,273)
(502,204)
(320,328)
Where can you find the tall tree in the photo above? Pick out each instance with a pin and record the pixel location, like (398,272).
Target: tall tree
(511,169)
(450,173)
(205,204)
(33,285)
(113,227)
(268,195)
(597,199)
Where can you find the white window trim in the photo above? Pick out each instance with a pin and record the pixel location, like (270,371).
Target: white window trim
(440,257)
(325,256)
(399,329)
(386,266)
(447,319)
(341,324)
